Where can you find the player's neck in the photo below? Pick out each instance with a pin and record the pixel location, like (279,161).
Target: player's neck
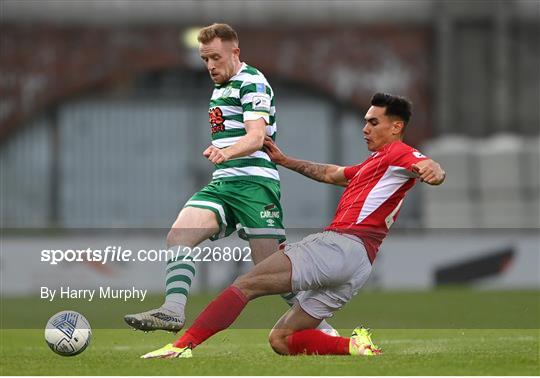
(237,67)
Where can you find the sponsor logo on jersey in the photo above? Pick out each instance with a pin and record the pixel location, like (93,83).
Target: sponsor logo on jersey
(260,87)
(261,102)
(215,117)
(418,154)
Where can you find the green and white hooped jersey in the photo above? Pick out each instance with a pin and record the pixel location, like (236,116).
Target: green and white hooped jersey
(246,96)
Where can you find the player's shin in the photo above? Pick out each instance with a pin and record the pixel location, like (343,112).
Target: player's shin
(216,317)
(313,341)
(179,276)
(170,316)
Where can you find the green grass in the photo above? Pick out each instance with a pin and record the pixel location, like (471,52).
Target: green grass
(464,333)
(442,308)
(246,352)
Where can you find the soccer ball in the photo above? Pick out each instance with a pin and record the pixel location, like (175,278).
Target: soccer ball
(68,333)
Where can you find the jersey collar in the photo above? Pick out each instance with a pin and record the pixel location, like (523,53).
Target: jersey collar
(387,146)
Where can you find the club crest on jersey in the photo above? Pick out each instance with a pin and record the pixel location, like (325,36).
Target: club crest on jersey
(215,117)
(227,92)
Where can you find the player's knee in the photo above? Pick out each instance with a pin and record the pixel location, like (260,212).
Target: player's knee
(278,341)
(174,237)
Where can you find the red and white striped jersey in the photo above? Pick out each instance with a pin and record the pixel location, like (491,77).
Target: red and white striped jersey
(371,202)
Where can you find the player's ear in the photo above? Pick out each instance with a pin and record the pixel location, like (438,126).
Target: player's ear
(397,127)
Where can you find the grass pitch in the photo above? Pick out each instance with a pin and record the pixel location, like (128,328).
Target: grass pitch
(452,341)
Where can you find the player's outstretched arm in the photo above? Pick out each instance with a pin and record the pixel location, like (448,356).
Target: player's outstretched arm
(328,173)
(430,172)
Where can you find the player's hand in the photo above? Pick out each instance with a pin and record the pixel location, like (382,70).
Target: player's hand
(216,155)
(429,172)
(273,151)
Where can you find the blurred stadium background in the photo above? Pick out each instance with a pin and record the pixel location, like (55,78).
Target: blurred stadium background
(103,119)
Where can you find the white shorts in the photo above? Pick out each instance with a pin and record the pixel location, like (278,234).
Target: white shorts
(328,269)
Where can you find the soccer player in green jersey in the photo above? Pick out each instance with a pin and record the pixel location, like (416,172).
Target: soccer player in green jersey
(244,193)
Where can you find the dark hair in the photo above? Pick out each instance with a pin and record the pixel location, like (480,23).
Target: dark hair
(395,105)
(221,31)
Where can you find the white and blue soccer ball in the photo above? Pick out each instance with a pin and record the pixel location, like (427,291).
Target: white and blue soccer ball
(68,333)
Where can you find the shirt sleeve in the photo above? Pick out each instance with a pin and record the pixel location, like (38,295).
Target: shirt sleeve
(351,171)
(405,160)
(256,101)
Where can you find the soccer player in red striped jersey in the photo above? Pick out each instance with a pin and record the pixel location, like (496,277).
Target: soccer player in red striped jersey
(327,269)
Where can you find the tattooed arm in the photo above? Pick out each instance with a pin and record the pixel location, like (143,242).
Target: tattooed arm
(328,173)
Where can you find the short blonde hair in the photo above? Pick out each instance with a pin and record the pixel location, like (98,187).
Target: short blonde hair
(222,31)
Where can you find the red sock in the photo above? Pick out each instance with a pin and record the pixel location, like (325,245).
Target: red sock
(217,316)
(313,341)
